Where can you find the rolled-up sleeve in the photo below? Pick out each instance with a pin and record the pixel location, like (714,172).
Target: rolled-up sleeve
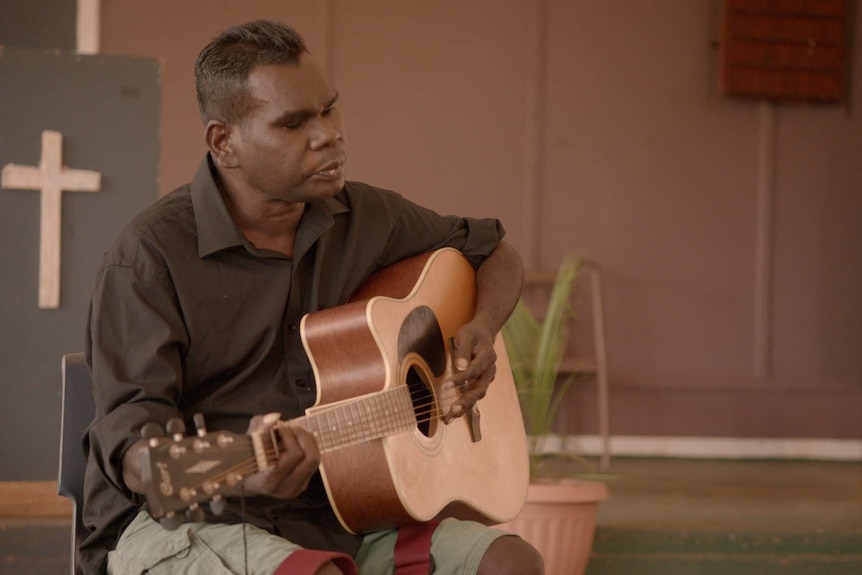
(416,229)
(134,344)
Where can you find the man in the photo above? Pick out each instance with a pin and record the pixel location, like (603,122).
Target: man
(196,309)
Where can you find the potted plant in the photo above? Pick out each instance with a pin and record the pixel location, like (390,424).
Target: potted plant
(559,516)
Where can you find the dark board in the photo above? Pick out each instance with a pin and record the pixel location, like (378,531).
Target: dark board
(107,108)
(38,23)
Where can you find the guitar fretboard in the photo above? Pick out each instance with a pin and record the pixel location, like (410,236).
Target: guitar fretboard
(358,420)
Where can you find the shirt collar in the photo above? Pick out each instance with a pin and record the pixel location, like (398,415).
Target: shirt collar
(217,230)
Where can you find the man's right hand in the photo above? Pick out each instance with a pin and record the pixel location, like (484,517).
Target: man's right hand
(296,464)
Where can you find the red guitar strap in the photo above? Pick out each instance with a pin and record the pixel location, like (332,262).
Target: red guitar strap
(413,549)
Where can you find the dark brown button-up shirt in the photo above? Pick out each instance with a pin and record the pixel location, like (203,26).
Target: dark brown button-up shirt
(187,316)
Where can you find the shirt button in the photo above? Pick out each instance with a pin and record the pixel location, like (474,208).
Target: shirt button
(302,383)
(292,327)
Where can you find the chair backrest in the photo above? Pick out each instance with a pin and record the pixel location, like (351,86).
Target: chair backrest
(78,411)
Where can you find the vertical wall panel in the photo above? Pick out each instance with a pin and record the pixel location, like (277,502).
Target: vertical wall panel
(654,175)
(434,98)
(44,24)
(818,265)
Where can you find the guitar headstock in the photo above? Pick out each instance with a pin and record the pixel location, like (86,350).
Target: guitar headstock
(180,472)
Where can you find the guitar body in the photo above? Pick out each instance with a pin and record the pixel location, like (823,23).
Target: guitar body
(396,332)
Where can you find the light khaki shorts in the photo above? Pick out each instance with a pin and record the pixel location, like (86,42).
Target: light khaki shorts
(215,549)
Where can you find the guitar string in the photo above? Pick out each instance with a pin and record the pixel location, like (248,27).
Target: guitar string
(336,434)
(423,415)
(251,466)
(325,433)
(431,403)
(425,412)
(332,439)
(242,518)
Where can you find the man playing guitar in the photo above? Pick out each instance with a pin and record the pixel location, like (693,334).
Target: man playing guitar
(197,309)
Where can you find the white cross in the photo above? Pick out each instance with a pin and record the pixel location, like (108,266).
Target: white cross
(52,179)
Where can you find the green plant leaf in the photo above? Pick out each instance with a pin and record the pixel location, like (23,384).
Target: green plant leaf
(536,349)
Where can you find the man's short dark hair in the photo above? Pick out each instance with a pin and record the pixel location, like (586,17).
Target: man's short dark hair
(223,66)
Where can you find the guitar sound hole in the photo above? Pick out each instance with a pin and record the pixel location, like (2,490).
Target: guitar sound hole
(424,405)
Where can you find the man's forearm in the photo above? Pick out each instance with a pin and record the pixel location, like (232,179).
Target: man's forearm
(499,281)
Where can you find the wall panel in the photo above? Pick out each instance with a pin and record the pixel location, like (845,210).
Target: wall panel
(434,98)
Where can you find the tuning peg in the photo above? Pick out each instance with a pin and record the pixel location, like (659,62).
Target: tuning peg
(195,513)
(177,428)
(217,505)
(171,521)
(200,425)
(152,430)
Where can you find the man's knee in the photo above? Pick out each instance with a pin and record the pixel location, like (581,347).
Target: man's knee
(511,555)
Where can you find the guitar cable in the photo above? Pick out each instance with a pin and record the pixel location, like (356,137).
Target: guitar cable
(242,519)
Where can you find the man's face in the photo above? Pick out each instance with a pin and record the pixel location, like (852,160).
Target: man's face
(290,146)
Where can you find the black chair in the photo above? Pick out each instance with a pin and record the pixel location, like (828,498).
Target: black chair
(79,409)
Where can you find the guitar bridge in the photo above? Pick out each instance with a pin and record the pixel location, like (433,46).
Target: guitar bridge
(473,418)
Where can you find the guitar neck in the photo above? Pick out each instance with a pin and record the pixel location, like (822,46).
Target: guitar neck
(340,425)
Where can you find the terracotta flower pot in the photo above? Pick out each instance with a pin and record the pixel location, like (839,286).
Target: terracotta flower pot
(559,519)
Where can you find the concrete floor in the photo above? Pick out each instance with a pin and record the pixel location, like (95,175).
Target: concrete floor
(791,496)
(743,517)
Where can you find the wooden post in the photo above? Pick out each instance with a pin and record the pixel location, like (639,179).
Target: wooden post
(51,179)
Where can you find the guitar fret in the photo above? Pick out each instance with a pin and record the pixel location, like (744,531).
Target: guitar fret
(369,416)
(314,426)
(374,416)
(349,424)
(391,422)
(391,412)
(378,414)
(346,435)
(325,432)
(398,420)
(409,412)
(406,409)
(369,424)
(330,427)
(361,429)
(398,407)
(350,439)
(319,430)
(398,401)
(339,430)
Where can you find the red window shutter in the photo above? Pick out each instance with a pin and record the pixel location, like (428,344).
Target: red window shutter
(785,49)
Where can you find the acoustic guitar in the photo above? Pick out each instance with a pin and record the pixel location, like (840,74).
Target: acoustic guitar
(387,459)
